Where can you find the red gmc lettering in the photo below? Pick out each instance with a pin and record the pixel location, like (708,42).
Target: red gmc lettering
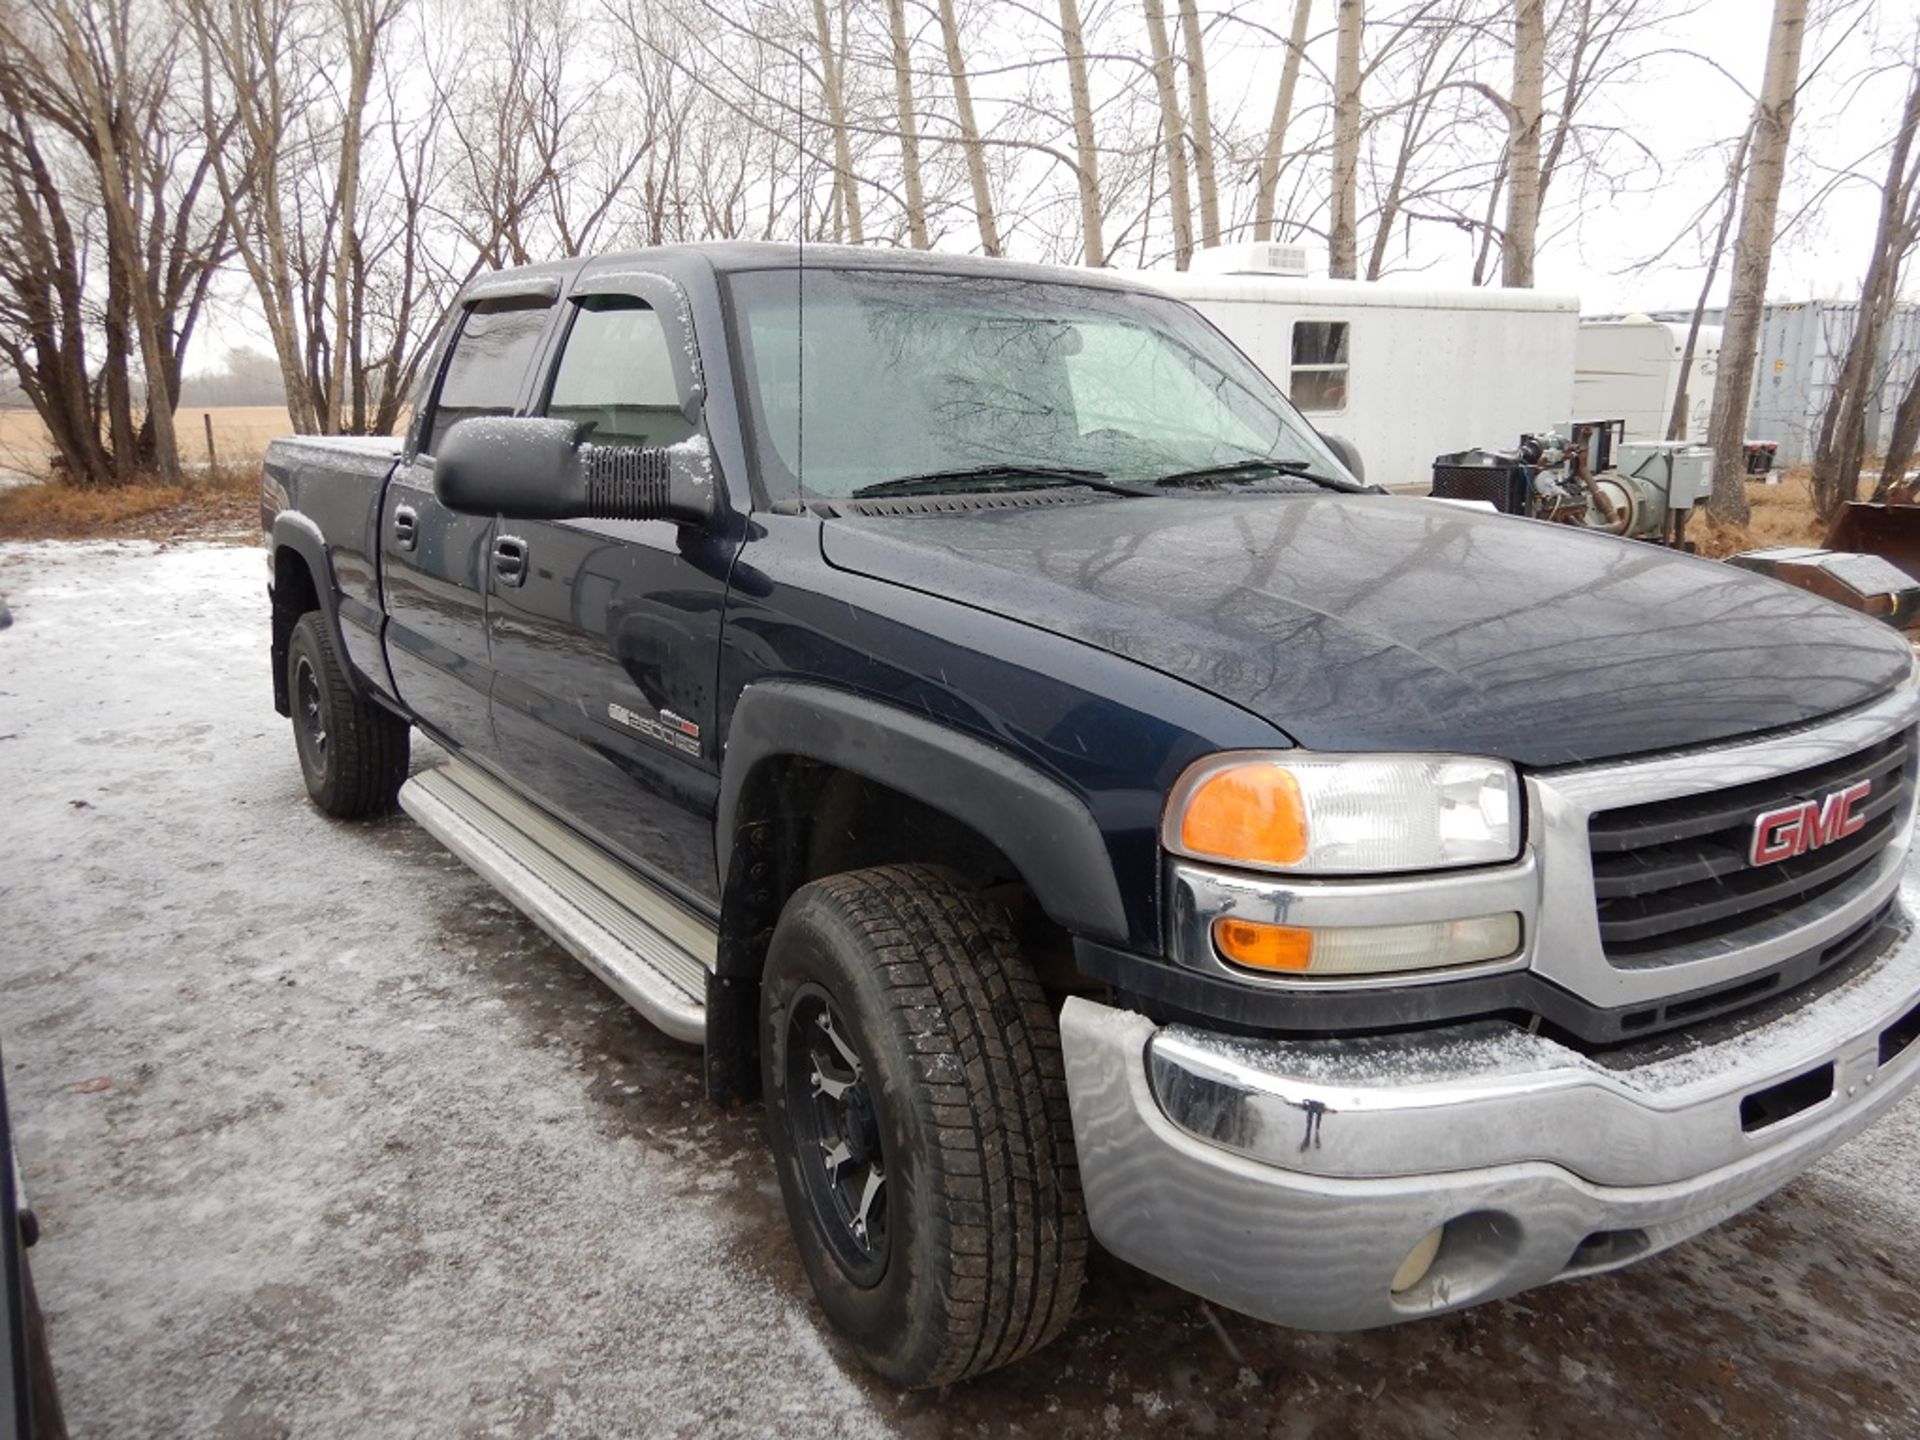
(1795,829)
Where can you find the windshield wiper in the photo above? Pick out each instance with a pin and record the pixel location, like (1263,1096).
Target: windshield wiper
(1252,468)
(986,477)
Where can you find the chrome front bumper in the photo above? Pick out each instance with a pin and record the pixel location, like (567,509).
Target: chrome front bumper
(1290,1180)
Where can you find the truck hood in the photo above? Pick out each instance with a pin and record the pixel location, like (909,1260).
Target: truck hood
(1363,622)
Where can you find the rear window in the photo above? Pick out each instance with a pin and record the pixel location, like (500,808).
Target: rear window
(489,364)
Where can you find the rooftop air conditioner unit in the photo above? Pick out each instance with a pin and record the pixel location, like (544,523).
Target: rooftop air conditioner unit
(1253,258)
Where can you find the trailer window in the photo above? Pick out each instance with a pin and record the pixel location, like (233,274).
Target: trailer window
(1319,380)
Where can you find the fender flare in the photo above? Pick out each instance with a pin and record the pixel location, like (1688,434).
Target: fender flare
(1040,825)
(294,531)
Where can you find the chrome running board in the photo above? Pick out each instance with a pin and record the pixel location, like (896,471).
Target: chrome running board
(649,951)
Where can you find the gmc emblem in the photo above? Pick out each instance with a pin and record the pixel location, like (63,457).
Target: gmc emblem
(1795,829)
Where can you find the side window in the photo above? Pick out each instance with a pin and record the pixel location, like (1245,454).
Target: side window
(1319,380)
(488,365)
(616,375)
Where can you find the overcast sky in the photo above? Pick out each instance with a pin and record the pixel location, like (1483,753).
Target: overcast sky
(1846,111)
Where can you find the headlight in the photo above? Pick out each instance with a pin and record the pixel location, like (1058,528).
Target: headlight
(1345,814)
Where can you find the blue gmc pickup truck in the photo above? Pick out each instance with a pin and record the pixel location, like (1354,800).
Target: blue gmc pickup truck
(969,701)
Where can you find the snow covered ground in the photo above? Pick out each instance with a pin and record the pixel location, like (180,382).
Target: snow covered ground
(327,1141)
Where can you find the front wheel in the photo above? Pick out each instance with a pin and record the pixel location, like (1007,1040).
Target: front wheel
(353,754)
(917,1105)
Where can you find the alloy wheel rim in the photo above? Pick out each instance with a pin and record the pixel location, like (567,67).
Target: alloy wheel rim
(836,1135)
(311,712)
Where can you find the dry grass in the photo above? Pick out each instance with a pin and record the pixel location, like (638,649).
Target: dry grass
(1782,515)
(215,503)
(223,504)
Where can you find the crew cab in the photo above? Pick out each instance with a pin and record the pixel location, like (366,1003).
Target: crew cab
(971,703)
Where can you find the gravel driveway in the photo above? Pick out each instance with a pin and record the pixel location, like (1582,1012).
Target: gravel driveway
(327,1141)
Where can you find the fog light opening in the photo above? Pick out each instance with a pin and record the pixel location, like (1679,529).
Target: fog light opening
(1419,1261)
(1457,1263)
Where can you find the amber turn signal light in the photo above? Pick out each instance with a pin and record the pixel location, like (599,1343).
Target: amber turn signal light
(1264,947)
(1251,812)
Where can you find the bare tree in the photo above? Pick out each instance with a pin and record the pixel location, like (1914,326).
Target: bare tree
(1841,446)
(909,127)
(1342,227)
(1677,423)
(97,159)
(1086,152)
(1201,111)
(1173,127)
(969,131)
(1752,260)
(1270,158)
(362,24)
(833,82)
(97,67)
(1525,116)
(1901,440)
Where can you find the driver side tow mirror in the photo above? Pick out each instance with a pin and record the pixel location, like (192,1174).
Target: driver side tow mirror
(528,468)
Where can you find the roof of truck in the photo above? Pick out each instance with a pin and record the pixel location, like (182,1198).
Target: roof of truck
(730,256)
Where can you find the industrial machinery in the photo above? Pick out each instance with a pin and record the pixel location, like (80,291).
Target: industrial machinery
(1586,474)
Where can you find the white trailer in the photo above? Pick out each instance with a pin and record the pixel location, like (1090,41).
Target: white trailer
(1405,372)
(1629,369)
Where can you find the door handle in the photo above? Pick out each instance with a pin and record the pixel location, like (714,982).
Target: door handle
(510,559)
(405,527)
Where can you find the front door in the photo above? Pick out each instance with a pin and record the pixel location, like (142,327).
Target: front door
(435,563)
(606,643)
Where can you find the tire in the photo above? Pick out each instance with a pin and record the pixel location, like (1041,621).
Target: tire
(353,754)
(950,1081)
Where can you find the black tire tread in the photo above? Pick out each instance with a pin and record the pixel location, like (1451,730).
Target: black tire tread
(994,1094)
(370,746)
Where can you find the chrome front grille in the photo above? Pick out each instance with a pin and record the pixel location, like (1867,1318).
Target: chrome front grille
(1647,896)
(1672,874)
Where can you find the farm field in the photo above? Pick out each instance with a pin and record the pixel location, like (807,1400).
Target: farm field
(240,433)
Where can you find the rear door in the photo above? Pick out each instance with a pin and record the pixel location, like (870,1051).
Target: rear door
(606,645)
(435,562)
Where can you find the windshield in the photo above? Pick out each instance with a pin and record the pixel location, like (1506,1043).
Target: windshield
(913,374)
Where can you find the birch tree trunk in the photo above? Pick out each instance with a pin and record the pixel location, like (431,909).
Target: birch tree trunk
(1201,114)
(1173,131)
(1900,442)
(909,126)
(1841,448)
(1752,260)
(1086,156)
(361,26)
(1342,243)
(831,79)
(1677,423)
(969,131)
(1523,142)
(1483,256)
(1271,157)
